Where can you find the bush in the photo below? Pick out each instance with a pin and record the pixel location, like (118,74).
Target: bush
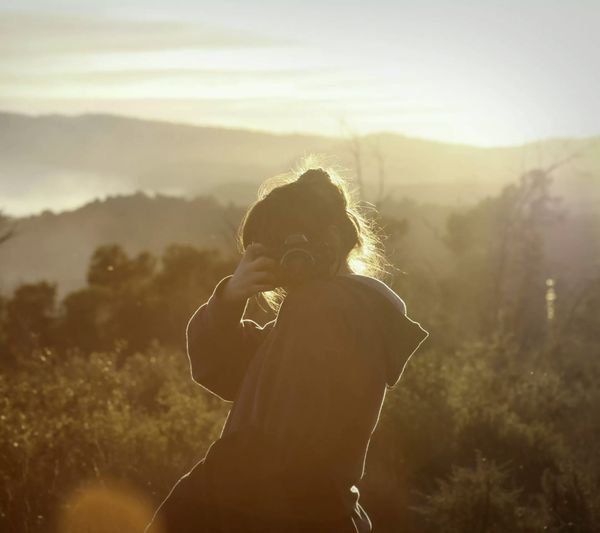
(70,419)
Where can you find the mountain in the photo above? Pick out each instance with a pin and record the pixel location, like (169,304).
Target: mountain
(61,157)
(147,184)
(58,247)
(58,162)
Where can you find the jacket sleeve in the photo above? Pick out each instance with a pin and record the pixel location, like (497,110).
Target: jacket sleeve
(220,344)
(327,398)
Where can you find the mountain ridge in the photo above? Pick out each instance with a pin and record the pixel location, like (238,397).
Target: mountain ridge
(60,161)
(290,134)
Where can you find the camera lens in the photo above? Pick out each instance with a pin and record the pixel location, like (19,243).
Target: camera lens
(297,265)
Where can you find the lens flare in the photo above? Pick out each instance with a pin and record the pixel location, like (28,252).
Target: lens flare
(105,508)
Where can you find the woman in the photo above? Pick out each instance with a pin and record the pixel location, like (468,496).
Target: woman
(307,387)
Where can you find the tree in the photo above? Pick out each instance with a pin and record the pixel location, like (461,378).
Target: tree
(111,267)
(185,280)
(478,499)
(30,318)
(5,231)
(500,284)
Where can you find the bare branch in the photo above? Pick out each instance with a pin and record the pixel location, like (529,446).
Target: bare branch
(6,233)
(355,147)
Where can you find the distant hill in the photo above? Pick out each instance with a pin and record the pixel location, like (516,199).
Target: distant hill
(61,157)
(57,162)
(191,174)
(57,247)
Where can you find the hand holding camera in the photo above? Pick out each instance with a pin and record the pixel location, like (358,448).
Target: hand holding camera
(256,272)
(263,269)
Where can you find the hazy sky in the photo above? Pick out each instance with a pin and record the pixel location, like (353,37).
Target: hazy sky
(465,71)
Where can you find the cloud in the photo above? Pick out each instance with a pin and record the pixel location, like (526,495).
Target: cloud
(118,77)
(34,35)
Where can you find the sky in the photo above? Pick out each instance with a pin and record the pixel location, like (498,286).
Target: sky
(481,73)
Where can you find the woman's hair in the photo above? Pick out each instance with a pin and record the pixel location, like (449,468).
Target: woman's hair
(309,202)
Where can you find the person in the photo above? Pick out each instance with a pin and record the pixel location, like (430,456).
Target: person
(307,388)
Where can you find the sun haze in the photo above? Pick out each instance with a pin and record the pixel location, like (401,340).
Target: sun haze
(475,73)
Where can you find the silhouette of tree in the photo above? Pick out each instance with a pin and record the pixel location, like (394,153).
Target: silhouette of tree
(111,267)
(499,248)
(5,231)
(30,318)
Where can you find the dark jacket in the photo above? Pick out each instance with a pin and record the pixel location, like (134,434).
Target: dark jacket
(307,390)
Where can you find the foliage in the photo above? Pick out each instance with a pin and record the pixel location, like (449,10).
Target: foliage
(68,419)
(128,300)
(491,429)
(477,499)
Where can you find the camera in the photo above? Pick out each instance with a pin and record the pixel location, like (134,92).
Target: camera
(299,259)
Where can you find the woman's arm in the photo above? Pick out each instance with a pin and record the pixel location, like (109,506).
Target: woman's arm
(220,344)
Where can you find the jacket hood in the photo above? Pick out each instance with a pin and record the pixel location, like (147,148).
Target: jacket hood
(402,336)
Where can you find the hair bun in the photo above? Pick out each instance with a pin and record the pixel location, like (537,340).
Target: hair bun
(315,176)
(317,182)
